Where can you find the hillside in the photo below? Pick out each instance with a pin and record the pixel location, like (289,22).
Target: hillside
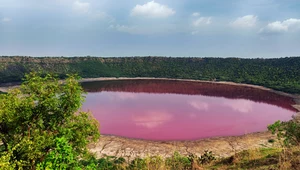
(280,73)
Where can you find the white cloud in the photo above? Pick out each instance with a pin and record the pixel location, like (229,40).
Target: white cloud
(199,23)
(196,14)
(81,7)
(5,19)
(84,8)
(202,21)
(152,10)
(276,27)
(247,21)
(291,24)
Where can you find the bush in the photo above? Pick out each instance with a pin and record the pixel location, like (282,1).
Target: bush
(289,132)
(207,157)
(178,162)
(40,124)
(155,162)
(138,164)
(61,157)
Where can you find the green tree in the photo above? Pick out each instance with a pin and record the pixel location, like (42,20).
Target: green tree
(61,157)
(40,117)
(288,131)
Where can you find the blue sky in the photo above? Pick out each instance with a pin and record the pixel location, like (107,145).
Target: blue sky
(203,28)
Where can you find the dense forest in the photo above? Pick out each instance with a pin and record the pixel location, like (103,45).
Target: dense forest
(280,73)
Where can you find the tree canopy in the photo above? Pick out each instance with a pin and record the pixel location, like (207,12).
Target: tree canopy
(277,73)
(40,123)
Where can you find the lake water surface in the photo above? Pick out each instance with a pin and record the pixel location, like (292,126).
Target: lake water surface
(182,110)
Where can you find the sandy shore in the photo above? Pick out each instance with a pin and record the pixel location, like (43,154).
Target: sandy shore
(222,146)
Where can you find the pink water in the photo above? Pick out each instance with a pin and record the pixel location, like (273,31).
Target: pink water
(134,109)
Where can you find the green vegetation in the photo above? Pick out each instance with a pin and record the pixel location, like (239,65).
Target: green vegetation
(289,132)
(264,158)
(280,74)
(40,126)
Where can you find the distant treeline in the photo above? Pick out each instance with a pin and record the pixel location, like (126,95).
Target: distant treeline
(280,73)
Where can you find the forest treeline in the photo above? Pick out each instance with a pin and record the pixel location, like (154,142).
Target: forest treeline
(277,73)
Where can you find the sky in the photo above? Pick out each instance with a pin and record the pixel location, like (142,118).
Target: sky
(178,28)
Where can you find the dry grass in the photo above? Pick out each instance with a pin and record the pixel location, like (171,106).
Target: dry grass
(262,159)
(266,158)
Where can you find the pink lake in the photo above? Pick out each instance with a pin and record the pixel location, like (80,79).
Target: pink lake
(181,110)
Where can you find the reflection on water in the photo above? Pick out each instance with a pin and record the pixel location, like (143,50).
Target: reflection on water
(174,110)
(151,119)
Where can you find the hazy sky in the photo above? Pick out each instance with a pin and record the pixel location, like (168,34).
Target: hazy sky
(213,28)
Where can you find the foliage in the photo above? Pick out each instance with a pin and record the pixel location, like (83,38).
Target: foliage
(155,162)
(178,162)
(288,131)
(106,163)
(138,164)
(61,157)
(40,123)
(206,158)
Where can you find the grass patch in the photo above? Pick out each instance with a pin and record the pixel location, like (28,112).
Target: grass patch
(264,158)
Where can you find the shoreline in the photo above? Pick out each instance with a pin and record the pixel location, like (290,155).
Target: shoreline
(6,86)
(110,145)
(83,80)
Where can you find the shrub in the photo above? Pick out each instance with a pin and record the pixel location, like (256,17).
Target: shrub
(178,162)
(207,157)
(138,164)
(289,132)
(155,162)
(40,124)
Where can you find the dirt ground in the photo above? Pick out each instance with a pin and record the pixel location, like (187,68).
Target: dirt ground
(221,147)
